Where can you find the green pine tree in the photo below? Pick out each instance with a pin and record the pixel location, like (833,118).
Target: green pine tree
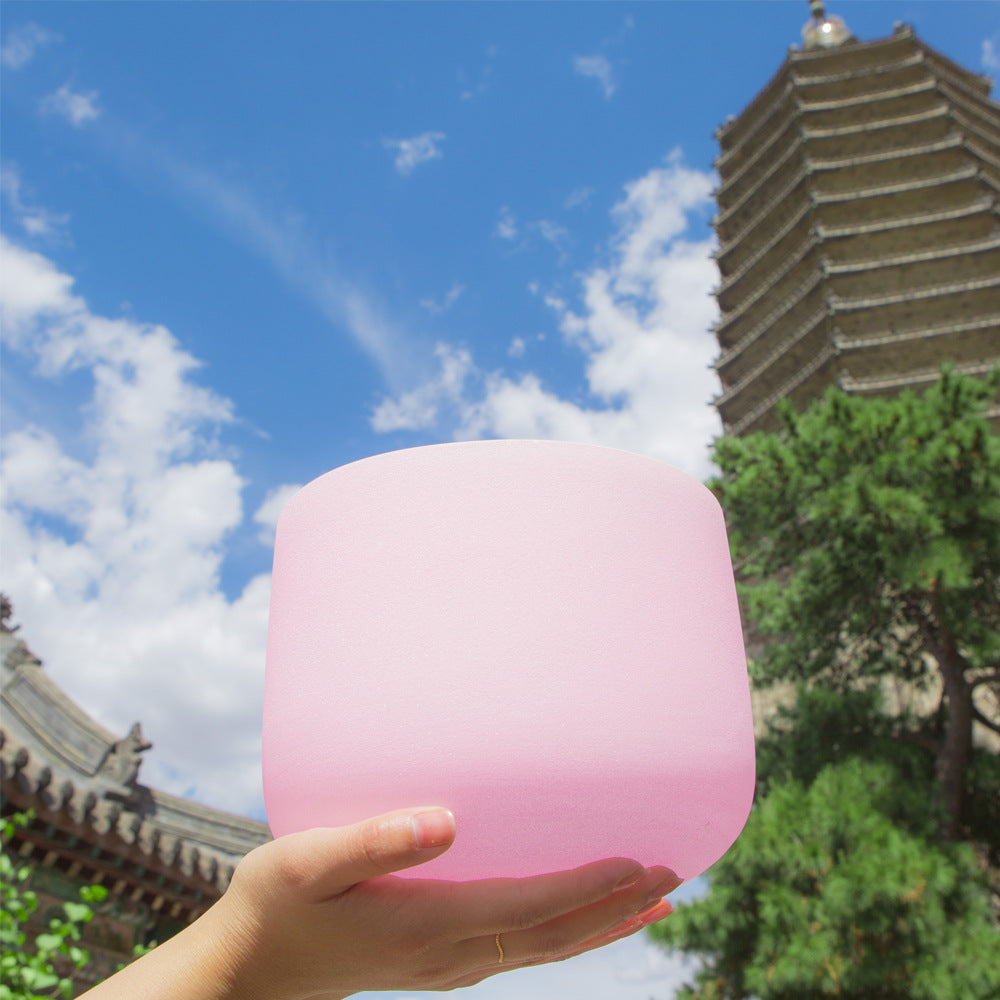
(867,537)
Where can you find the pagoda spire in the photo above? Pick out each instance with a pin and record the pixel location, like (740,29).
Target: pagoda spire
(822,30)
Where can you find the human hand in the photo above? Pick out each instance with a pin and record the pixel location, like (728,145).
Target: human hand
(318,914)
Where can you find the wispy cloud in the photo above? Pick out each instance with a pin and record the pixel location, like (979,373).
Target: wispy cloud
(657,966)
(33,219)
(76,108)
(289,249)
(435,306)
(524,234)
(22,43)
(579,197)
(277,235)
(991,54)
(472,90)
(598,68)
(506,225)
(554,234)
(281,239)
(410,153)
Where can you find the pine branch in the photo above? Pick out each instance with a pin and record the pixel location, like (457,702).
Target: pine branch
(985,720)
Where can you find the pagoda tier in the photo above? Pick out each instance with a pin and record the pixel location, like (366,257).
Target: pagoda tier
(858,226)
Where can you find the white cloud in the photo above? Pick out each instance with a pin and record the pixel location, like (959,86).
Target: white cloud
(76,108)
(622,971)
(506,225)
(599,69)
(34,220)
(481,86)
(113,541)
(420,407)
(435,306)
(412,152)
(511,231)
(655,965)
(579,197)
(991,54)
(641,329)
(267,514)
(31,292)
(22,43)
(517,348)
(553,233)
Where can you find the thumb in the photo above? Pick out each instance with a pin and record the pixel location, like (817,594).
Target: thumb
(394,841)
(329,861)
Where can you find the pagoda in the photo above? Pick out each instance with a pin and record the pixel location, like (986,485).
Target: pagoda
(858,225)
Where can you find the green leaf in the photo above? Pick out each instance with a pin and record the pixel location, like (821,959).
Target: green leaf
(78,913)
(48,944)
(94,893)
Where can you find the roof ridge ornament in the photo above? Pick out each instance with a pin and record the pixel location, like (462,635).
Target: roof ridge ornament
(822,30)
(122,763)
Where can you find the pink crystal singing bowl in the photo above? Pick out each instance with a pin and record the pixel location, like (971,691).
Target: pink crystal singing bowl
(543,637)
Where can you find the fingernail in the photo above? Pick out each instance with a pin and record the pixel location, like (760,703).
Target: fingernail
(665,882)
(672,881)
(629,927)
(662,909)
(433,828)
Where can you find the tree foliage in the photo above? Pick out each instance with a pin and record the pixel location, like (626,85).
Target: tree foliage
(834,890)
(867,534)
(840,884)
(31,969)
(867,537)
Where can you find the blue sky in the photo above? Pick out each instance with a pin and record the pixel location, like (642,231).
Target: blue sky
(247,243)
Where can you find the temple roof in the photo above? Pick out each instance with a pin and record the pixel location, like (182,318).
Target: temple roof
(79,776)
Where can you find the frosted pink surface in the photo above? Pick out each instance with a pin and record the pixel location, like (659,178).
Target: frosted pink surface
(543,637)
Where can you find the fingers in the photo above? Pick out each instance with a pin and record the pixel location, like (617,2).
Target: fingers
(656,912)
(322,863)
(502,905)
(617,915)
(569,936)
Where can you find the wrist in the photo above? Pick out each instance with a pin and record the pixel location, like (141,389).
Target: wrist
(196,964)
(240,961)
